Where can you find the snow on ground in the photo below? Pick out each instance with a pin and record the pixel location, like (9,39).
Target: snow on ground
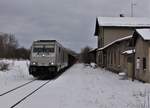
(85,87)
(79,87)
(16,74)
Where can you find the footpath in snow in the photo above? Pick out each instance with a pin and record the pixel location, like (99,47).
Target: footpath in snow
(85,87)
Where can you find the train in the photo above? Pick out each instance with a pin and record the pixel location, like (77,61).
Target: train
(48,58)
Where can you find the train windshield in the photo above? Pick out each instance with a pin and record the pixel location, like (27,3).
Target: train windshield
(43,50)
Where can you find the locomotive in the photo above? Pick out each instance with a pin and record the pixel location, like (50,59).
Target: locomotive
(48,58)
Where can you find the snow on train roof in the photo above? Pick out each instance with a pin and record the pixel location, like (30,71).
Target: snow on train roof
(145,33)
(38,42)
(45,41)
(124,21)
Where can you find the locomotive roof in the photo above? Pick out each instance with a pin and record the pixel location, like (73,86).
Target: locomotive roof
(45,41)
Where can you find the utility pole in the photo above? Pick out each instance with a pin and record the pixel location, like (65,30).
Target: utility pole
(132,7)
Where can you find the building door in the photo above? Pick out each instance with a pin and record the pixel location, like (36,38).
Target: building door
(149,59)
(130,65)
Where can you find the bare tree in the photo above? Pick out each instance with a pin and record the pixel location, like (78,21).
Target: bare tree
(84,55)
(10,49)
(22,53)
(12,45)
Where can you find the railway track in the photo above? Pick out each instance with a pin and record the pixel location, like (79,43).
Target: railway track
(18,87)
(14,97)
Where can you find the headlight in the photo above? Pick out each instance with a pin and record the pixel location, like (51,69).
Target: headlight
(33,63)
(51,63)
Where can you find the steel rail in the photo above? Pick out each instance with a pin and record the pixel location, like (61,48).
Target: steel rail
(17,88)
(29,94)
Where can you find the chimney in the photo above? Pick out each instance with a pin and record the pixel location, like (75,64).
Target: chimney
(121,15)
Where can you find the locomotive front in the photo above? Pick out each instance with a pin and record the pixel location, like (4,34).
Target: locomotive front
(42,58)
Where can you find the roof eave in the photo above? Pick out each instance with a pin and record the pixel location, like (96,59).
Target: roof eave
(118,40)
(126,26)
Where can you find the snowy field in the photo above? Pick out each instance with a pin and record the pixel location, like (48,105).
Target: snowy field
(16,74)
(78,87)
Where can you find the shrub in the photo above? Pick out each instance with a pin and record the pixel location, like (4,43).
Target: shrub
(4,66)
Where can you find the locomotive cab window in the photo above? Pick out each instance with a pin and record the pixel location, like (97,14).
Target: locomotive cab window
(43,50)
(35,50)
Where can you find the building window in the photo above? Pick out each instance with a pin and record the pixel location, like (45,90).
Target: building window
(119,56)
(99,43)
(111,57)
(144,63)
(114,57)
(59,49)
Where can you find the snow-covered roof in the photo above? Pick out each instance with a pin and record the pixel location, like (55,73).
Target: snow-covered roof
(128,51)
(124,21)
(118,40)
(145,33)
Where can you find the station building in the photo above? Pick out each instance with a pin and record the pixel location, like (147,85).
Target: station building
(141,40)
(118,43)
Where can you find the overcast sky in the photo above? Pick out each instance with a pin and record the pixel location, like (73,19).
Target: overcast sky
(71,22)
